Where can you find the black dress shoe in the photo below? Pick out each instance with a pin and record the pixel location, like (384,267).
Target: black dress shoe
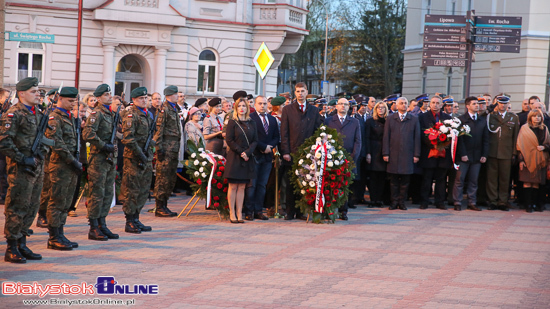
(287,217)
(352,206)
(492,207)
(504,207)
(392,207)
(261,217)
(344,216)
(458,207)
(302,217)
(249,218)
(233,221)
(423,206)
(402,207)
(240,221)
(473,207)
(441,206)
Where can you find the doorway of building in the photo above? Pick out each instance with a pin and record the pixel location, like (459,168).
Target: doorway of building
(128,76)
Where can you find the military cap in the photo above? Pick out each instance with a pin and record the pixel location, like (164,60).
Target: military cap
(481,100)
(503,99)
(239,94)
(278,101)
(170,90)
(321,101)
(448,100)
(360,99)
(215,101)
(68,92)
(53,91)
(332,102)
(425,97)
(352,102)
(200,101)
(26,83)
(392,97)
(138,92)
(101,89)
(249,97)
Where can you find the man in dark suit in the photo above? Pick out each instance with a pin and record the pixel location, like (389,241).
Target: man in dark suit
(401,149)
(471,152)
(350,130)
(434,168)
(362,176)
(268,138)
(298,122)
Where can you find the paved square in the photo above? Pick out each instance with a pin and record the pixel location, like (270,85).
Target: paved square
(378,259)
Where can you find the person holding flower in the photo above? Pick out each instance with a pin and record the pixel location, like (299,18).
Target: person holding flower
(533,144)
(240,169)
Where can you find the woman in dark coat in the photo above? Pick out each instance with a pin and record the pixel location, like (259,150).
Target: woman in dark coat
(240,168)
(374,128)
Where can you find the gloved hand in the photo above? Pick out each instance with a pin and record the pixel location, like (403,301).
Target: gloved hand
(77,166)
(29,161)
(420,103)
(110,148)
(161,155)
(143,158)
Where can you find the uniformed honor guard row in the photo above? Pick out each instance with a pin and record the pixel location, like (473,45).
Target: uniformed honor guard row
(391,142)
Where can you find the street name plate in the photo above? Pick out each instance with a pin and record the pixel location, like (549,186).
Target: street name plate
(444,38)
(444,63)
(444,30)
(443,54)
(498,22)
(445,20)
(511,40)
(498,31)
(444,46)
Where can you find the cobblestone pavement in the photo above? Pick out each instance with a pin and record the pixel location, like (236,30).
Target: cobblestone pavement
(378,259)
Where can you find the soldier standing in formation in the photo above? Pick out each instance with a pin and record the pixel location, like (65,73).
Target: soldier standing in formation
(101,163)
(167,140)
(138,168)
(17,134)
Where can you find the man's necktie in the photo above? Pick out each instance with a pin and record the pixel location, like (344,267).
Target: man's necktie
(302,107)
(475,117)
(342,120)
(402,117)
(266,125)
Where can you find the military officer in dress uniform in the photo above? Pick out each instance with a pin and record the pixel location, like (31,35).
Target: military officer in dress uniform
(390,101)
(17,133)
(64,167)
(138,168)
(101,163)
(504,129)
(167,139)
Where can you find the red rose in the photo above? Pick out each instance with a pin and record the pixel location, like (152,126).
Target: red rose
(346,160)
(219,185)
(442,137)
(346,183)
(338,172)
(330,214)
(434,142)
(199,182)
(214,181)
(220,162)
(216,198)
(225,181)
(339,185)
(310,202)
(226,207)
(438,125)
(224,191)
(326,192)
(332,177)
(335,191)
(222,168)
(328,204)
(216,205)
(332,184)
(219,174)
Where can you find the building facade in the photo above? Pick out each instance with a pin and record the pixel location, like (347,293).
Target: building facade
(205,47)
(518,74)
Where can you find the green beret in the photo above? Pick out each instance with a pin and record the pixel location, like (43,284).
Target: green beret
(101,89)
(138,92)
(26,83)
(68,92)
(332,102)
(278,101)
(53,91)
(170,90)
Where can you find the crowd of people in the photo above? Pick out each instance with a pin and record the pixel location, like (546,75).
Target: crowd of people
(47,142)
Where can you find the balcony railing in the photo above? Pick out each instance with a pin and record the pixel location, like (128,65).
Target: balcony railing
(279,14)
(142,3)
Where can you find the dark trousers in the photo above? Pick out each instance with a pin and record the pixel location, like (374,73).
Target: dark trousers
(291,197)
(482,185)
(451,176)
(468,173)
(360,182)
(415,188)
(377,186)
(399,184)
(498,180)
(255,192)
(429,175)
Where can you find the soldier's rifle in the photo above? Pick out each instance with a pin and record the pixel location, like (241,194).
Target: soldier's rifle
(149,138)
(7,103)
(40,139)
(78,129)
(113,134)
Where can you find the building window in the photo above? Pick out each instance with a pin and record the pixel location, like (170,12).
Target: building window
(208,66)
(449,81)
(424,79)
(30,61)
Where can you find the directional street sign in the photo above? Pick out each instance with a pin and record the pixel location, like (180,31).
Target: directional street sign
(445,20)
(445,38)
(443,54)
(498,31)
(498,22)
(444,63)
(445,46)
(444,30)
(497,48)
(511,40)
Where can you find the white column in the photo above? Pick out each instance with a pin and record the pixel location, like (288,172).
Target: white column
(160,69)
(109,66)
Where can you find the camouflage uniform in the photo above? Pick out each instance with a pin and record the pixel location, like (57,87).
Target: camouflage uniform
(136,181)
(17,134)
(44,195)
(62,173)
(167,139)
(101,173)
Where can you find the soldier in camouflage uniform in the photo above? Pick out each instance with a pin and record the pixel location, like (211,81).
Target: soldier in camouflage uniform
(167,140)
(64,168)
(101,163)
(17,134)
(42,220)
(138,168)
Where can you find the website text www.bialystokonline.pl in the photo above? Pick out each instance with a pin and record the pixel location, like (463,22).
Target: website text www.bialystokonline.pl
(80,302)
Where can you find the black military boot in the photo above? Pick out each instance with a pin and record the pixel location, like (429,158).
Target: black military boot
(160,211)
(25,251)
(105,230)
(143,228)
(172,214)
(131,226)
(42,221)
(56,243)
(95,233)
(12,253)
(65,239)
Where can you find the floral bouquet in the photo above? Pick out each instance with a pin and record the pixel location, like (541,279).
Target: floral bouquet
(322,174)
(445,134)
(206,169)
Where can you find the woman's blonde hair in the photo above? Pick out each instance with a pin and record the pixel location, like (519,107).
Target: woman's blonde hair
(532,114)
(87,97)
(375,114)
(236,114)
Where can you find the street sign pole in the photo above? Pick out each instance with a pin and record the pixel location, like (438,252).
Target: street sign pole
(469,22)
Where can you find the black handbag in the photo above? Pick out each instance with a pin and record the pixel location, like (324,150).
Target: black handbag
(253,156)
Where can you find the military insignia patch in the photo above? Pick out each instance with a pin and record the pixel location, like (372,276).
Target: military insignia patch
(129,116)
(93,112)
(10,115)
(128,123)
(8,125)
(92,120)
(162,111)
(51,117)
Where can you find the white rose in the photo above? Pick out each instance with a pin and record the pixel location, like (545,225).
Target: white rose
(467,128)
(336,162)
(330,164)
(313,147)
(194,155)
(448,121)
(201,149)
(323,134)
(329,156)
(203,175)
(201,169)
(304,183)
(332,141)
(308,177)
(318,155)
(333,152)
(455,125)
(202,155)
(303,192)
(196,174)
(204,163)
(312,184)
(308,155)
(317,174)
(443,129)
(312,166)
(323,128)
(319,140)
(329,136)
(196,162)
(301,161)
(297,173)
